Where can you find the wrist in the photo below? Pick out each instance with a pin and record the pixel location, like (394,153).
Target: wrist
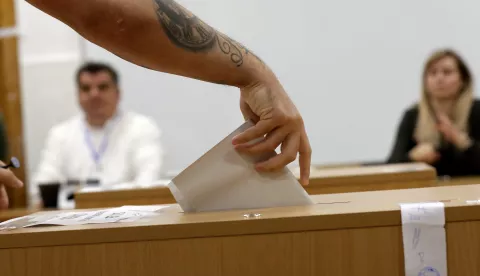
(255,71)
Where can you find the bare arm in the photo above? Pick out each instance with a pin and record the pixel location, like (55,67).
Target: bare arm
(164,36)
(161,35)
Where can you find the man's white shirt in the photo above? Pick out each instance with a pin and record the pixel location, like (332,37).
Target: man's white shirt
(131,147)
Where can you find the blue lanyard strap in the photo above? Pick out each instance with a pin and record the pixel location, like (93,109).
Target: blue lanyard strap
(97,154)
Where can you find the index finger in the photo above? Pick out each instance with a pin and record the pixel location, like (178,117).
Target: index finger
(305,159)
(8,178)
(257,131)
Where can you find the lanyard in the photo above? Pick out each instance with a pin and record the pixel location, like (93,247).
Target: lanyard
(97,154)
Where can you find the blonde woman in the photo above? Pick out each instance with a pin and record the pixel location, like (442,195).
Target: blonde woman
(444,127)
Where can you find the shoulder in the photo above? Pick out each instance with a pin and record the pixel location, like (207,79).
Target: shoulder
(140,123)
(411,112)
(474,117)
(476,106)
(64,128)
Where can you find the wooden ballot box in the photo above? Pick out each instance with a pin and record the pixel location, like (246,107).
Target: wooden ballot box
(351,234)
(324,181)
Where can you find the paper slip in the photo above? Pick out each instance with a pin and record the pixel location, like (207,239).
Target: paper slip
(224,179)
(113,215)
(424,239)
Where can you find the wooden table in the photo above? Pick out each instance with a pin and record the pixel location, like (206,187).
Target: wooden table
(343,180)
(343,234)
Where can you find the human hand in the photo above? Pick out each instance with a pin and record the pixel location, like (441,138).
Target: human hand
(7,179)
(451,133)
(277,120)
(424,153)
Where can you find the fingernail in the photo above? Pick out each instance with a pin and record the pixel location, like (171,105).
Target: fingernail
(235,140)
(19,184)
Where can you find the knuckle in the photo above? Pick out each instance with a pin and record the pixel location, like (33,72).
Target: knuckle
(307,152)
(281,118)
(290,157)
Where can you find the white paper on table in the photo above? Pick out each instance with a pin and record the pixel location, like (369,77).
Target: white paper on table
(26,221)
(112,215)
(424,239)
(224,179)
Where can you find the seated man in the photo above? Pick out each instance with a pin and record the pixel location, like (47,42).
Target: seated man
(105,144)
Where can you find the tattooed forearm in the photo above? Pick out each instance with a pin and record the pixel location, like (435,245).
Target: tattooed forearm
(189,32)
(228,47)
(184,28)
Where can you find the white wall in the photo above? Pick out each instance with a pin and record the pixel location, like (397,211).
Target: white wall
(351,66)
(49,55)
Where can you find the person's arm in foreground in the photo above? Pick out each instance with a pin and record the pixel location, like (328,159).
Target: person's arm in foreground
(164,36)
(7,179)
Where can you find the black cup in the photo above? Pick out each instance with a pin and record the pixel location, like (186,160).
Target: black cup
(49,193)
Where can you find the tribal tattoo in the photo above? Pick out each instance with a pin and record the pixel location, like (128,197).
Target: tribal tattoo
(189,32)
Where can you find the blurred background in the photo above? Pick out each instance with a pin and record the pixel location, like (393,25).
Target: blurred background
(352,67)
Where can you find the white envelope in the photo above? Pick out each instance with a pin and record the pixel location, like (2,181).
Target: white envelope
(224,179)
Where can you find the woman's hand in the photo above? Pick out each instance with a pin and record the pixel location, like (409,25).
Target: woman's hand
(424,153)
(452,134)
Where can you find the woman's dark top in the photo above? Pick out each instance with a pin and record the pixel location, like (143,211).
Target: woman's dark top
(453,161)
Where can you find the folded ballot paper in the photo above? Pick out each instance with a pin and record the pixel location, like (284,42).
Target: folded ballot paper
(224,179)
(111,215)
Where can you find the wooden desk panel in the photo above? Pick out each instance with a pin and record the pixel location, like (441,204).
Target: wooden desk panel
(325,181)
(456,181)
(361,236)
(371,178)
(116,198)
